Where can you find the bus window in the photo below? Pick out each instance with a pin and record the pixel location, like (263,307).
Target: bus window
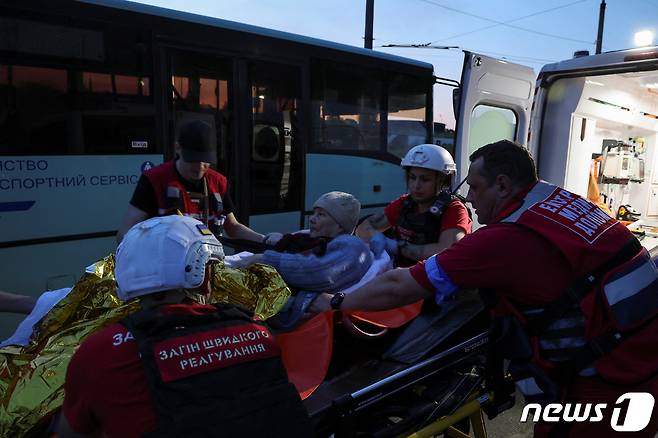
(33,111)
(132,85)
(97,83)
(223,95)
(407,100)
(213,93)
(209,93)
(347,110)
(48,111)
(119,133)
(405,134)
(25,77)
(490,124)
(180,88)
(116,113)
(275,157)
(444,137)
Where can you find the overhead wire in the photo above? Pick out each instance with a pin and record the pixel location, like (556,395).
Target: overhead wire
(499,24)
(526,59)
(506,22)
(502,23)
(511,21)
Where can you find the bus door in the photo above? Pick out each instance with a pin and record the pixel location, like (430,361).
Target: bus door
(200,89)
(493,103)
(253,107)
(274,157)
(203,87)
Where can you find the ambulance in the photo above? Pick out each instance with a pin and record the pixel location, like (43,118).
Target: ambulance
(590,122)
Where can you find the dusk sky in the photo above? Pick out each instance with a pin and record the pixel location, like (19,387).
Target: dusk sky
(533,33)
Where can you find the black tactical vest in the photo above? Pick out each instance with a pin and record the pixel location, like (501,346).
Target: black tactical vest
(218,374)
(421,228)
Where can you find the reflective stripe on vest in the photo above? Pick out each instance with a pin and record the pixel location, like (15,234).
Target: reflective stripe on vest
(605,260)
(563,337)
(632,292)
(534,383)
(538,193)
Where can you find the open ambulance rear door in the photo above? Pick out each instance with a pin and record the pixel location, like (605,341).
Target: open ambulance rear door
(594,131)
(492,103)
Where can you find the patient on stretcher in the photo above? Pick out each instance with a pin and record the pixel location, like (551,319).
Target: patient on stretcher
(327,258)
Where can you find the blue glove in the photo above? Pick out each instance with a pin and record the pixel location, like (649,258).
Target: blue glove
(380,243)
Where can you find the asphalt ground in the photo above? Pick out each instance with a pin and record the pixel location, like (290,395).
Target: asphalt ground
(507,424)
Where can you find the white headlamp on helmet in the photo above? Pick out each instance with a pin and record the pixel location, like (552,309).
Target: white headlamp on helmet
(429,156)
(164,253)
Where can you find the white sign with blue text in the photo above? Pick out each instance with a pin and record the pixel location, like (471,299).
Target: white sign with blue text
(53,196)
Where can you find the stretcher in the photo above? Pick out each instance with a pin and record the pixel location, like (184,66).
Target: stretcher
(422,373)
(422,379)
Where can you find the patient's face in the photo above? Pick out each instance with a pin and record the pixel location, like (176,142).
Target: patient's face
(323,225)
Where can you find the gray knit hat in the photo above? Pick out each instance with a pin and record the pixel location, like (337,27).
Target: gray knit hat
(342,207)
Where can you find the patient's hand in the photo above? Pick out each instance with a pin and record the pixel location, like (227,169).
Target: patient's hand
(247,261)
(272,239)
(380,243)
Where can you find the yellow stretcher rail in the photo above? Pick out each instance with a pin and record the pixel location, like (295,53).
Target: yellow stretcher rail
(471,410)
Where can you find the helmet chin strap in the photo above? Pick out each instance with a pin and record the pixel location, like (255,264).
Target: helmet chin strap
(454,192)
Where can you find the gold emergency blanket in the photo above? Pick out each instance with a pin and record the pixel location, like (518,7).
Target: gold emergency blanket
(259,288)
(32,377)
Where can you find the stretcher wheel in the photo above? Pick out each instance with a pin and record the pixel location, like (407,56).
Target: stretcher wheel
(362,329)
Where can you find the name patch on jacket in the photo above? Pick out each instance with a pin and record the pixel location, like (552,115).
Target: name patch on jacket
(197,353)
(575,213)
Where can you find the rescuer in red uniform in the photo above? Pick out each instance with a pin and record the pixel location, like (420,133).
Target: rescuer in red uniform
(188,185)
(425,220)
(573,287)
(176,367)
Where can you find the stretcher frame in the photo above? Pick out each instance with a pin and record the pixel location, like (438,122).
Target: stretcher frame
(339,418)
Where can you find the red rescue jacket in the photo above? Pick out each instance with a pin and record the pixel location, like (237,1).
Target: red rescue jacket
(621,300)
(172,196)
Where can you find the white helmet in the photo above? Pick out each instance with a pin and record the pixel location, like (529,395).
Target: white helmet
(164,253)
(430,156)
